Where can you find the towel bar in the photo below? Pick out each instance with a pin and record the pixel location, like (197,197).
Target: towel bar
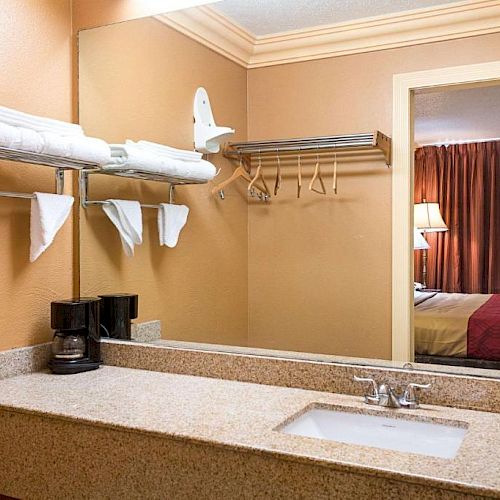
(85,202)
(60,164)
(59,182)
(9,194)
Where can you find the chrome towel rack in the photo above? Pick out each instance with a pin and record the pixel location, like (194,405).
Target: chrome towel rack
(84,185)
(60,164)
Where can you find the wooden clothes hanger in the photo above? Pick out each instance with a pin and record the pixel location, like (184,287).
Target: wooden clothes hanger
(239,173)
(317,175)
(277,183)
(335,172)
(299,175)
(258,175)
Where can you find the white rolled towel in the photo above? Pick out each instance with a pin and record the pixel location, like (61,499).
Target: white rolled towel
(20,138)
(87,149)
(177,154)
(130,156)
(17,118)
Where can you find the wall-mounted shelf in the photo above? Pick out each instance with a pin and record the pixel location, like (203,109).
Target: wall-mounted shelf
(43,159)
(313,145)
(60,164)
(144,175)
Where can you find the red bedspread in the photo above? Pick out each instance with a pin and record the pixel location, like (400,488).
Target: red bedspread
(483,333)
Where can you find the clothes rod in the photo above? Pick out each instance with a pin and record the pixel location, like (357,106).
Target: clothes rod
(295,148)
(369,136)
(311,145)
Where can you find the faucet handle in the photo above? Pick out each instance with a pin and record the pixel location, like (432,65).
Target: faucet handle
(410,398)
(374,386)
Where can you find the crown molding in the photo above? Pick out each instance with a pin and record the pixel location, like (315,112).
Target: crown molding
(215,31)
(221,34)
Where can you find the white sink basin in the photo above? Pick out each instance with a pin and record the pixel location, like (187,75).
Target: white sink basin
(399,434)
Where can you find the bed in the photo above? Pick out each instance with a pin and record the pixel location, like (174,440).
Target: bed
(457,328)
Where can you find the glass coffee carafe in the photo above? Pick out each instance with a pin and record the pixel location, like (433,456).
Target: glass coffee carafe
(70,346)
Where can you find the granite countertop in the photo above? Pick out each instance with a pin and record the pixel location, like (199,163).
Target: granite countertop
(244,416)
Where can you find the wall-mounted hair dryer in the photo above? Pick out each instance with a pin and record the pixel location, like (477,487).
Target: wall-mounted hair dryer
(207,136)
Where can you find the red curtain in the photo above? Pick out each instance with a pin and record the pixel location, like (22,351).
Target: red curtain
(465,180)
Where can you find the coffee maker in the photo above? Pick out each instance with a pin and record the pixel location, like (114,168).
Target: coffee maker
(76,343)
(117,311)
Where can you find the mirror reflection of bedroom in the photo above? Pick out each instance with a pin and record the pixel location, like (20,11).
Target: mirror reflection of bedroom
(457,227)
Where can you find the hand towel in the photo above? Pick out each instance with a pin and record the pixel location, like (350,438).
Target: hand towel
(125,156)
(171,220)
(38,123)
(177,154)
(126,215)
(48,213)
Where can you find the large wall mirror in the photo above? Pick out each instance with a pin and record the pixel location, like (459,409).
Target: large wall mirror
(309,275)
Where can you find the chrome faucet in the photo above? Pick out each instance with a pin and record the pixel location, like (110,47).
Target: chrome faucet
(385,395)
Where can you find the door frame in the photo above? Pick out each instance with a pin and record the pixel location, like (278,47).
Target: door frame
(404,86)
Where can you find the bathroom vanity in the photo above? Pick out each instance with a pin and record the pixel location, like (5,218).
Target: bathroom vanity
(132,433)
(251,188)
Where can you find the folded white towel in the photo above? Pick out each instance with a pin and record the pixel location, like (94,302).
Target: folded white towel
(130,156)
(20,138)
(38,123)
(48,213)
(87,149)
(171,220)
(126,215)
(177,154)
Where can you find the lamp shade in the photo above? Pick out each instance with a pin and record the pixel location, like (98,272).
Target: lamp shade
(427,218)
(419,242)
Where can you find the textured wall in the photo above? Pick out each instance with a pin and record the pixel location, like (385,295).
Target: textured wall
(199,289)
(35,54)
(320,269)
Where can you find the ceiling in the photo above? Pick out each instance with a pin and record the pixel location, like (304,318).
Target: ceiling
(457,115)
(266,17)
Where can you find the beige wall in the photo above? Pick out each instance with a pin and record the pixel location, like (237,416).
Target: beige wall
(35,55)
(137,81)
(36,77)
(319,269)
(93,13)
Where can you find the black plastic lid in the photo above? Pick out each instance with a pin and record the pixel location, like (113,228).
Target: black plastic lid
(70,314)
(113,301)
